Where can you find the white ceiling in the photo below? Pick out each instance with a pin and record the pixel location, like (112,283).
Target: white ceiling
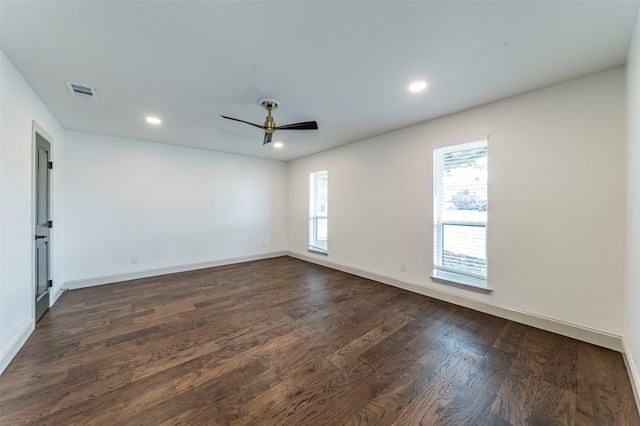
(346,65)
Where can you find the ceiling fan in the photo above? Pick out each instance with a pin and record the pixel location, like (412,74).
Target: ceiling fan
(270,126)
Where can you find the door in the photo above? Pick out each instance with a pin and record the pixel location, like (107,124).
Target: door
(43,226)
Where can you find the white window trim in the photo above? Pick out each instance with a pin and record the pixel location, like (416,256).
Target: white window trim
(447,276)
(314,248)
(461,281)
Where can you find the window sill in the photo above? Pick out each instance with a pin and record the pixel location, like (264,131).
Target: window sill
(461,281)
(318,250)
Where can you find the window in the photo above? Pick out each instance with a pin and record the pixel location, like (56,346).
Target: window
(460,213)
(318,182)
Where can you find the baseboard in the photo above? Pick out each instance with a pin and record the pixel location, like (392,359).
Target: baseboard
(54,298)
(16,343)
(632,370)
(553,325)
(108,279)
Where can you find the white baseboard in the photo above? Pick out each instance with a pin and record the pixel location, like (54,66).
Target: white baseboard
(16,343)
(553,325)
(107,279)
(54,297)
(632,369)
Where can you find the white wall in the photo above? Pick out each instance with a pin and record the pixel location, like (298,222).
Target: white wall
(556,201)
(632,295)
(20,106)
(169,206)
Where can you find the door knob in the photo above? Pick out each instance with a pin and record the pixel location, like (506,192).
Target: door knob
(40,236)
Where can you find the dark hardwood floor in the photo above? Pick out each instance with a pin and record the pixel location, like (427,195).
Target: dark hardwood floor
(285,342)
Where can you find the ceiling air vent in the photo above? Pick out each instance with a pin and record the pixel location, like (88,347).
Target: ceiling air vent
(82,90)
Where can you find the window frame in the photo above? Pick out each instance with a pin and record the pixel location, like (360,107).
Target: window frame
(314,217)
(443,273)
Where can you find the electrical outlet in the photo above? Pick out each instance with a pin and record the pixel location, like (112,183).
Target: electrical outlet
(264,245)
(135,260)
(403,266)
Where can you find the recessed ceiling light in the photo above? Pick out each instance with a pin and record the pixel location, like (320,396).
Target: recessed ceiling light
(154,120)
(278,145)
(418,86)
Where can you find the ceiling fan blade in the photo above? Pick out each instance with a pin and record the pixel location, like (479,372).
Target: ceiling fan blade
(305,125)
(242,121)
(267,138)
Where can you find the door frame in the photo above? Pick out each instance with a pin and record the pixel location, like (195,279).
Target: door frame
(37,129)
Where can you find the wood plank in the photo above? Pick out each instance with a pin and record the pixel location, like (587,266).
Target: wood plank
(448,371)
(476,397)
(384,408)
(554,406)
(627,408)
(349,352)
(511,337)
(514,401)
(561,366)
(595,403)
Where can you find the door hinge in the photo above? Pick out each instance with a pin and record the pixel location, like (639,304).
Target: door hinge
(49,224)
(49,165)
(50,283)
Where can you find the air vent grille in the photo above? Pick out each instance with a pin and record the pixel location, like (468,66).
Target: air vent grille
(82,90)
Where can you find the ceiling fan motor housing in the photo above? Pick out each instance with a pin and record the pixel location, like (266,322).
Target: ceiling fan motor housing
(269,124)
